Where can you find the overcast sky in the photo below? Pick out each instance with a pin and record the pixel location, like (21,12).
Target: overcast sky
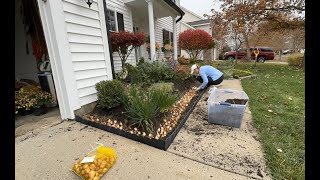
(200,7)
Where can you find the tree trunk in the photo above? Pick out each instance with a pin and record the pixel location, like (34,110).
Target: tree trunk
(248,57)
(303,61)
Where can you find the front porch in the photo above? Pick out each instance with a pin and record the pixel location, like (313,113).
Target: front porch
(158,20)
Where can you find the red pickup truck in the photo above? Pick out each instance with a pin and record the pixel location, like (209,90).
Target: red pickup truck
(265,53)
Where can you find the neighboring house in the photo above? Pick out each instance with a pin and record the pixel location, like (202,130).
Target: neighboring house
(78,37)
(193,21)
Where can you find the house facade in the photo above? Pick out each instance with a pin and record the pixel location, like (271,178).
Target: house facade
(78,37)
(193,21)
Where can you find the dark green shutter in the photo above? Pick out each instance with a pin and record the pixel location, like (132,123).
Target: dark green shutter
(120,22)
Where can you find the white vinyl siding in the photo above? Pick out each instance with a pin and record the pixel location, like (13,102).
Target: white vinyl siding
(119,6)
(86,43)
(167,24)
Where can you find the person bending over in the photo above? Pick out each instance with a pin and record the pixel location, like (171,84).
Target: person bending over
(207,75)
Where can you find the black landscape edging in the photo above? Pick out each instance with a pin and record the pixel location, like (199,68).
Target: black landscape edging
(162,144)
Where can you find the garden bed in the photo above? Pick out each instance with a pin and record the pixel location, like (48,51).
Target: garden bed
(167,126)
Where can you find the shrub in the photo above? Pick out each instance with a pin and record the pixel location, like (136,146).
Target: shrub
(182,72)
(195,41)
(184,61)
(110,93)
(156,72)
(165,87)
(141,61)
(149,73)
(124,42)
(296,59)
(135,75)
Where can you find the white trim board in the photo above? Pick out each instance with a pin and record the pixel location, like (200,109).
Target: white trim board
(185,9)
(52,17)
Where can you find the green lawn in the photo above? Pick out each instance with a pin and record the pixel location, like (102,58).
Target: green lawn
(277,102)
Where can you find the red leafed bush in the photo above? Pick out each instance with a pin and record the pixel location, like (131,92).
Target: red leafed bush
(195,41)
(124,42)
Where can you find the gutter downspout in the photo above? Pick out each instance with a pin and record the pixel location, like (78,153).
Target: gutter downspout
(179,18)
(175,7)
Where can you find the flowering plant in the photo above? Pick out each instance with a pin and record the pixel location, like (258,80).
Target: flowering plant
(31,97)
(24,98)
(156,44)
(167,47)
(42,98)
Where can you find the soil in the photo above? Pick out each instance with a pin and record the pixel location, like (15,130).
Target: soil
(237,101)
(120,115)
(232,149)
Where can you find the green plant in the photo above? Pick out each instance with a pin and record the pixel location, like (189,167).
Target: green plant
(141,61)
(165,87)
(110,93)
(141,109)
(144,106)
(295,59)
(164,100)
(156,72)
(42,99)
(136,75)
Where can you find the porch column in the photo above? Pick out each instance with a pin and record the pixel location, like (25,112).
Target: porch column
(175,43)
(151,30)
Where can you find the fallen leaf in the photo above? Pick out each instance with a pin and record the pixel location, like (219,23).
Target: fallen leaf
(290,98)
(279,150)
(269,110)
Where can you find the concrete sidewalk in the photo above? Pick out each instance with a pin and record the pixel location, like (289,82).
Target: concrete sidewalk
(48,153)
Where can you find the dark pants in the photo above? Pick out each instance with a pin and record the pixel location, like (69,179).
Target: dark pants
(210,81)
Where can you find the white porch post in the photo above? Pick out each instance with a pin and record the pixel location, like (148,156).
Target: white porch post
(175,45)
(151,30)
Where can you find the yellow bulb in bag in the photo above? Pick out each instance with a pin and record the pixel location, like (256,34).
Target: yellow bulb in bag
(95,165)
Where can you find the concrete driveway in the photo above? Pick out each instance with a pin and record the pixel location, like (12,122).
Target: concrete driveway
(48,153)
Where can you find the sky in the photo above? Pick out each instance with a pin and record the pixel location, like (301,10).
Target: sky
(200,7)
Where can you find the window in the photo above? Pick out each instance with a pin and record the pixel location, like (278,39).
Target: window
(266,50)
(112,18)
(167,35)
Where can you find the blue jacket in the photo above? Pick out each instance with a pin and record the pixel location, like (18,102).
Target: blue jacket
(208,71)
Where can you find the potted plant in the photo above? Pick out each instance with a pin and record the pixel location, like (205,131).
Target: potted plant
(167,49)
(25,100)
(43,98)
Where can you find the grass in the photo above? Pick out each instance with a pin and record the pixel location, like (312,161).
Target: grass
(284,127)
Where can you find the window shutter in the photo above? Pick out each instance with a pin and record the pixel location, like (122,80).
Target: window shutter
(120,22)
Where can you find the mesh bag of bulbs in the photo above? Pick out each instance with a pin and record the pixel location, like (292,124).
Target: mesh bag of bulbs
(95,165)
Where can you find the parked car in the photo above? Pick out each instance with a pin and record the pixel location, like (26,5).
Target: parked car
(288,51)
(265,53)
